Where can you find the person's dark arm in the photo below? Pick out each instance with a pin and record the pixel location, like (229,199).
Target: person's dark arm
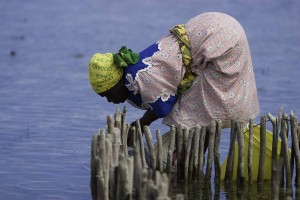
(148,118)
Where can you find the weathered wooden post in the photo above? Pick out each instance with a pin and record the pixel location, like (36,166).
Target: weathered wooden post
(201,153)
(274,145)
(103,168)
(217,152)
(171,149)
(196,154)
(250,153)
(94,167)
(150,145)
(283,134)
(141,143)
(159,151)
(210,155)
(118,119)
(230,158)
(294,128)
(262,152)
(124,180)
(110,124)
(241,146)
(187,157)
(180,154)
(191,157)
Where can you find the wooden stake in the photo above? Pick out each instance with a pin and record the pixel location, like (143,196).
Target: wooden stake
(210,155)
(141,143)
(187,157)
(294,127)
(93,167)
(241,146)
(110,124)
(201,153)
(150,144)
(179,151)
(159,151)
(274,145)
(217,153)
(171,149)
(262,152)
(123,183)
(283,134)
(250,152)
(230,157)
(196,154)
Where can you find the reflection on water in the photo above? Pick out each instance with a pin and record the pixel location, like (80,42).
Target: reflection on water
(48,112)
(201,191)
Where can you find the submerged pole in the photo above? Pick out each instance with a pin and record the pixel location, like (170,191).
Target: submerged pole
(250,153)
(217,152)
(294,128)
(283,134)
(241,146)
(262,152)
(230,157)
(210,155)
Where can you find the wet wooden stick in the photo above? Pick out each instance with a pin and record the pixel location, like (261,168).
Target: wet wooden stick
(191,159)
(217,152)
(280,116)
(118,119)
(141,184)
(187,156)
(241,146)
(110,124)
(180,197)
(196,154)
(186,133)
(179,151)
(162,183)
(210,155)
(159,151)
(115,146)
(171,149)
(93,167)
(141,143)
(123,132)
(150,145)
(230,158)
(262,152)
(130,165)
(103,169)
(201,153)
(294,127)
(274,145)
(123,184)
(125,135)
(283,134)
(137,163)
(250,152)
(276,181)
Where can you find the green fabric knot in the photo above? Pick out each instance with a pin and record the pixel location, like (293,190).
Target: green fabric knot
(125,57)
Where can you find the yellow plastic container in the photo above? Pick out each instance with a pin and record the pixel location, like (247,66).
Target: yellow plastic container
(255,155)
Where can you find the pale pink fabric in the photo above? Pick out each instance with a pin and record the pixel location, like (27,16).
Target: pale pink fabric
(225,87)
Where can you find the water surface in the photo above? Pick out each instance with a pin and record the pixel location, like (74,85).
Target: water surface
(48,112)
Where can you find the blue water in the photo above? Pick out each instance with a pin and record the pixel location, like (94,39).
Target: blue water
(48,112)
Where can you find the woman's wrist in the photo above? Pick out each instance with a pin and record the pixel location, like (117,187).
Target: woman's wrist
(148,118)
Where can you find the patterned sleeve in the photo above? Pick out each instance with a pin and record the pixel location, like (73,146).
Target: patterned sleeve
(156,76)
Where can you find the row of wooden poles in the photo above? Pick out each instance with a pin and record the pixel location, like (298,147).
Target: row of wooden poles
(117,175)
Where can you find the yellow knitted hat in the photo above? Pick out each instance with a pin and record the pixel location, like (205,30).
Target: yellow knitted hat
(103,73)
